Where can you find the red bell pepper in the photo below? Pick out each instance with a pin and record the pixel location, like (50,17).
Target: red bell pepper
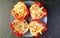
(17,15)
(15,23)
(43,25)
(41,11)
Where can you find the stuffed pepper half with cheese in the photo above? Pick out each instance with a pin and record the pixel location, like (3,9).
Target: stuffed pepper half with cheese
(19,11)
(37,11)
(37,27)
(19,27)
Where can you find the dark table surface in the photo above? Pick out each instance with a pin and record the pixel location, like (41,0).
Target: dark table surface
(53,24)
(53,20)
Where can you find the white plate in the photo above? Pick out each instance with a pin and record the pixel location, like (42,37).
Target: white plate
(29,3)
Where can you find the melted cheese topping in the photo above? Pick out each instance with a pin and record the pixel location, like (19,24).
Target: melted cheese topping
(35,28)
(36,11)
(19,9)
(20,26)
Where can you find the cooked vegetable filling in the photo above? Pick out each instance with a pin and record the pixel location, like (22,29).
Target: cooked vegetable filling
(19,10)
(20,26)
(36,11)
(35,28)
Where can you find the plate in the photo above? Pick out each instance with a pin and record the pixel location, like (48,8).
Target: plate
(28,19)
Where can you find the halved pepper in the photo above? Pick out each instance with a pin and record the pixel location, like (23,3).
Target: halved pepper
(37,11)
(19,27)
(20,11)
(37,27)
